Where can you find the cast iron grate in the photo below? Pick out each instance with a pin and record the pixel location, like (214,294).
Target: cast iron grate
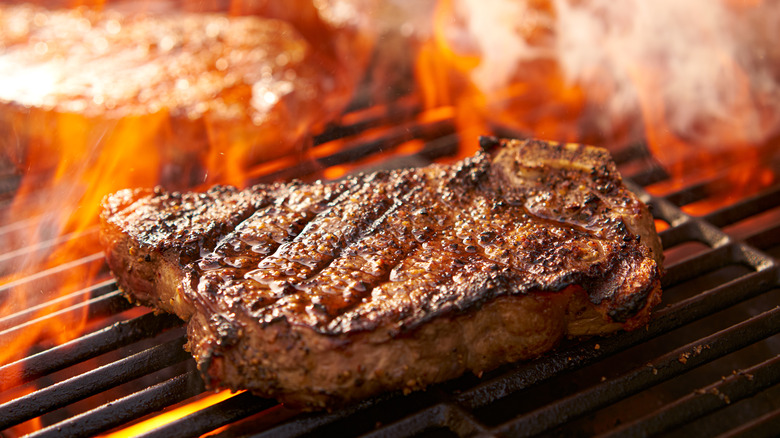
(712,350)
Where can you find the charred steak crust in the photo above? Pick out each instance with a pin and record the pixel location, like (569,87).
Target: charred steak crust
(150,235)
(320,294)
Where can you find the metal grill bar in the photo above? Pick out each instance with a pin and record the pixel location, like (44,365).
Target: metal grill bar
(664,368)
(362,147)
(711,398)
(92,382)
(225,412)
(649,175)
(745,208)
(698,265)
(92,345)
(691,193)
(713,300)
(444,415)
(100,293)
(305,424)
(96,307)
(127,408)
(38,251)
(50,275)
(363,119)
(765,239)
(764,426)
(92,258)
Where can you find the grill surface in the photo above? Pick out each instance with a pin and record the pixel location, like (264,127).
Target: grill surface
(707,364)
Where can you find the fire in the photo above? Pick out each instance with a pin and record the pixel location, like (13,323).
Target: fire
(442,72)
(697,81)
(111,102)
(71,201)
(472,69)
(171,415)
(694,80)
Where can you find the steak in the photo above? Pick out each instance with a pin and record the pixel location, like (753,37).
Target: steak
(177,87)
(324,293)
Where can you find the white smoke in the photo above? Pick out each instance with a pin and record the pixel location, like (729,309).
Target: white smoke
(697,52)
(710,68)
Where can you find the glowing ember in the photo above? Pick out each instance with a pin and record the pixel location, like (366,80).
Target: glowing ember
(171,415)
(661,225)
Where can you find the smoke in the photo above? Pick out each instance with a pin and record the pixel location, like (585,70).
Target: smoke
(703,62)
(704,72)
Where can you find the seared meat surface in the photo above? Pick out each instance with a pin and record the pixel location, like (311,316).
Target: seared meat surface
(320,294)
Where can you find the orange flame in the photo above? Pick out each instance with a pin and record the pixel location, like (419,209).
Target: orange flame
(520,75)
(71,156)
(681,76)
(442,72)
(72,198)
(533,99)
(171,415)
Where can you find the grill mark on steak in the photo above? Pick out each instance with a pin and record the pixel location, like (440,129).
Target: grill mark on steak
(368,262)
(173,230)
(323,241)
(221,273)
(514,253)
(192,223)
(324,238)
(278,277)
(360,267)
(448,250)
(344,284)
(418,230)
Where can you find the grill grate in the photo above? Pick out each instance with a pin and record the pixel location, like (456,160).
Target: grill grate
(718,333)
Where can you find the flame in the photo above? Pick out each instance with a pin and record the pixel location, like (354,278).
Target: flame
(687,78)
(457,69)
(73,149)
(696,81)
(171,415)
(72,197)
(442,72)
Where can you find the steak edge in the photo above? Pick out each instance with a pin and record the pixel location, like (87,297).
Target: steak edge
(325,293)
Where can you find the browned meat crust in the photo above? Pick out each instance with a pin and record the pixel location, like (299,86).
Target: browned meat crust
(320,294)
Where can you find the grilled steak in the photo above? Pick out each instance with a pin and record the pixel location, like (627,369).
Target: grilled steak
(320,294)
(177,87)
